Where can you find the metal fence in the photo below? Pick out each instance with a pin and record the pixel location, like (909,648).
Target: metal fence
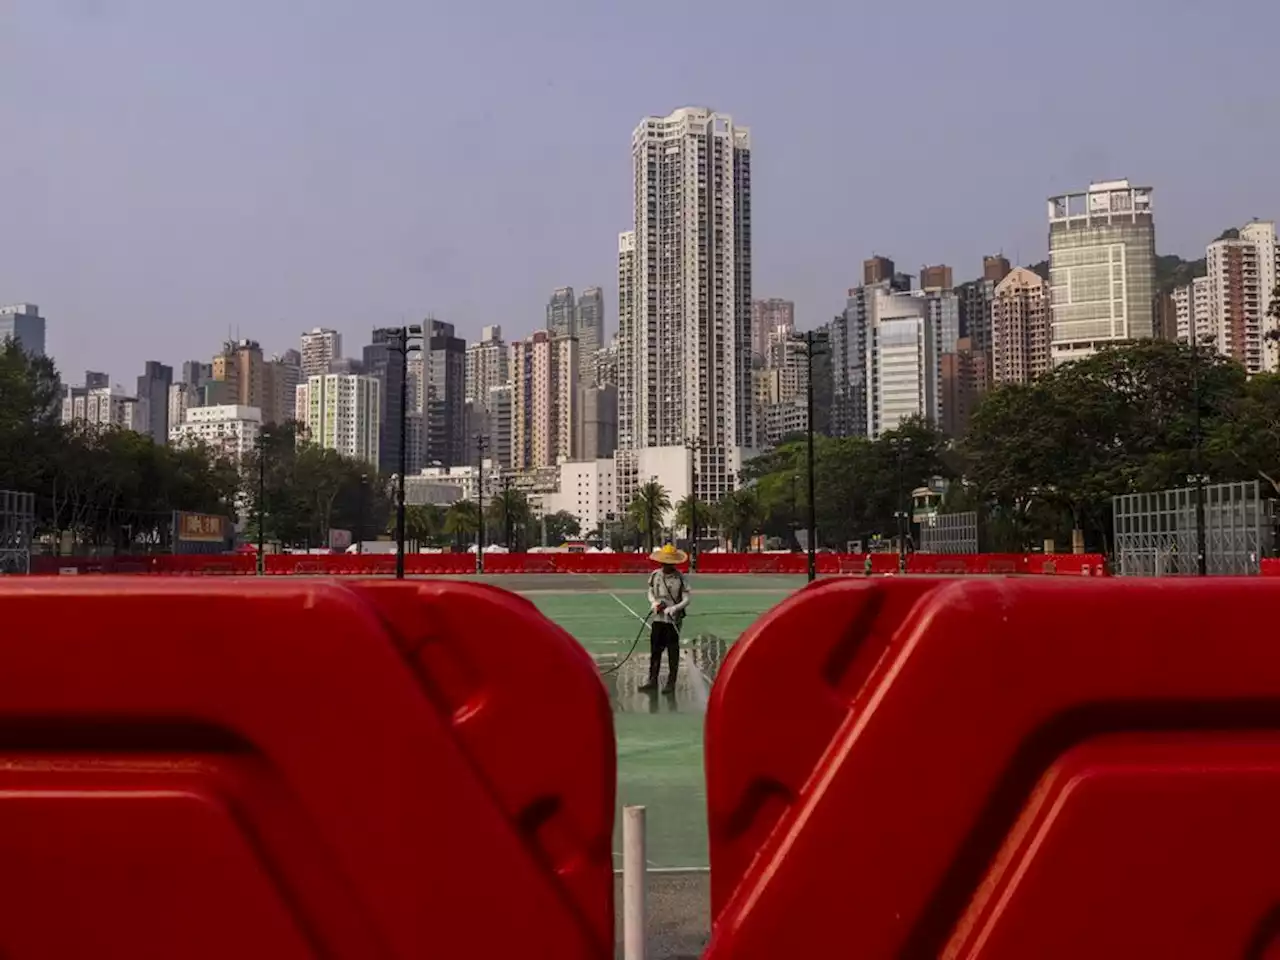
(17,522)
(949,533)
(1155,533)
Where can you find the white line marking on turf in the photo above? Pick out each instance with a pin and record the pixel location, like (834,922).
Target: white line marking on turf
(627,608)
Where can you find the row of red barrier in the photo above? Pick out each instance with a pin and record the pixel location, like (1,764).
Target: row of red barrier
(986,769)
(445,564)
(1271,566)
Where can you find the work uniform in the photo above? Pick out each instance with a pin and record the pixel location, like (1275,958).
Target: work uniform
(668,598)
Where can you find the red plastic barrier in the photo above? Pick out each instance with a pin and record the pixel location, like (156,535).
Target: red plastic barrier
(268,768)
(450,564)
(1271,566)
(999,769)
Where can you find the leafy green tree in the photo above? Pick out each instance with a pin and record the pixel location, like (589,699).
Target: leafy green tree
(686,510)
(739,514)
(561,526)
(423,523)
(649,510)
(509,518)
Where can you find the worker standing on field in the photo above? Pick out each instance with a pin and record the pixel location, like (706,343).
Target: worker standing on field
(668,600)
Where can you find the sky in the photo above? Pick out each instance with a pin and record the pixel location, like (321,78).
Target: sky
(174,171)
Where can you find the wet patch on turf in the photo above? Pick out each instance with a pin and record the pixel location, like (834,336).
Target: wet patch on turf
(700,661)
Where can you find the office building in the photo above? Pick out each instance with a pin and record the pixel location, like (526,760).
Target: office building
(590,333)
(1021,332)
(230,430)
(545,401)
(1242,273)
(598,422)
(962,379)
(23,324)
(1102,263)
(487,366)
(500,424)
(685,326)
(320,348)
(944,314)
(562,313)
(903,363)
(850,348)
(153,391)
(444,363)
(342,413)
(768,316)
(386,359)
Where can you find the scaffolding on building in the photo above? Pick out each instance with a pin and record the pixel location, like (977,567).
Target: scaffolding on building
(1155,533)
(17,524)
(949,533)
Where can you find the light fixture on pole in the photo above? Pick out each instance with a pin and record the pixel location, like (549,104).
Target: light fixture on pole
(401,345)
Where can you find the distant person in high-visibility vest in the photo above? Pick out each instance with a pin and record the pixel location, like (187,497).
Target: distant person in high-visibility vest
(668,600)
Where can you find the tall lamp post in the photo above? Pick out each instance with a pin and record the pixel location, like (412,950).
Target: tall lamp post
(1202,559)
(481,442)
(814,342)
(364,491)
(401,344)
(262,503)
(694,444)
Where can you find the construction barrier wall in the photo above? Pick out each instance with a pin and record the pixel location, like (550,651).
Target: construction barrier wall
(1270,567)
(445,564)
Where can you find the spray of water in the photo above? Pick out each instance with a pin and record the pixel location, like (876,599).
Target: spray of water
(700,687)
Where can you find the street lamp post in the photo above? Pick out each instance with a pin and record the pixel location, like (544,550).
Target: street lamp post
(813,345)
(402,346)
(694,444)
(262,503)
(481,442)
(1202,560)
(364,488)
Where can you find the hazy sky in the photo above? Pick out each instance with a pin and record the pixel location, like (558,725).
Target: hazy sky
(171,170)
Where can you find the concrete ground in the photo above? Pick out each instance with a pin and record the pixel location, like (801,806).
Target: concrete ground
(679,915)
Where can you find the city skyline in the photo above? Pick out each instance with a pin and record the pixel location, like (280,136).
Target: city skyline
(296,198)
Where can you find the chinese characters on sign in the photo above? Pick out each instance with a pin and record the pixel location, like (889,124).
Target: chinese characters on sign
(200,527)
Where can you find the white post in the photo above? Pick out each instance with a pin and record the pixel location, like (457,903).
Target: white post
(634,870)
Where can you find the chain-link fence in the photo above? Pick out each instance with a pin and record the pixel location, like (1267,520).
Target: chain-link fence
(17,523)
(951,533)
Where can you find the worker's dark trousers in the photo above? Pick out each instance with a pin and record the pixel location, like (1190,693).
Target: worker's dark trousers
(663,636)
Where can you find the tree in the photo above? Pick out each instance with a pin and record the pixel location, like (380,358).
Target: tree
(739,512)
(462,521)
(561,526)
(649,509)
(423,522)
(510,514)
(686,510)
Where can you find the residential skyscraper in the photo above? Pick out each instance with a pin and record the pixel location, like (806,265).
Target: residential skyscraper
(23,324)
(232,431)
(850,345)
(685,329)
(877,269)
(98,404)
(444,415)
(342,413)
(1192,312)
(153,389)
(934,279)
(995,267)
(562,313)
(545,401)
(766,317)
(1102,268)
(281,376)
(1020,328)
(963,379)
(240,368)
(589,327)
(320,348)
(1242,272)
(487,366)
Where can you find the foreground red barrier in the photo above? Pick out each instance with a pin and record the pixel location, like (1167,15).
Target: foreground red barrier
(999,769)
(451,564)
(1271,566)
(289,769)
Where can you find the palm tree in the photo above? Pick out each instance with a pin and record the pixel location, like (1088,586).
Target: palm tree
(739,514)
(422,522)
(649,509)
(509,512)
(462,520)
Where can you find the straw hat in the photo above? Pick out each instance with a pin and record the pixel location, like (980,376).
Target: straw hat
(669,554)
